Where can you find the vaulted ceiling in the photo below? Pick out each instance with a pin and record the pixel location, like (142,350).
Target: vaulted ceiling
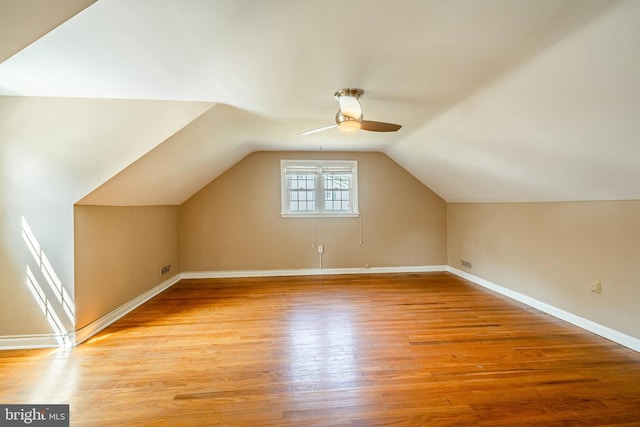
(520,100)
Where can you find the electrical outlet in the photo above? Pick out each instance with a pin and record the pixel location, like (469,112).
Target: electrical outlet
(596,286)
(465,263)
(320,249)
(166,269)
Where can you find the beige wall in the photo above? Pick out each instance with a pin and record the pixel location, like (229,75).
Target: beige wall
(234,223)
(119,254)
(552,252)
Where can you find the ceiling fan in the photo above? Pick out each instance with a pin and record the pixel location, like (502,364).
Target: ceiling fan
(349,116)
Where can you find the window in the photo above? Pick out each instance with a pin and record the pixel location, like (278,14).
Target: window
(319,188)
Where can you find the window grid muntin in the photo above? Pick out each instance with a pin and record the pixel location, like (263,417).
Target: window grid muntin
(302,192)
(337,192)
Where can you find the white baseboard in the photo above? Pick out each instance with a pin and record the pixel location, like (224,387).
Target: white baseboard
(309,272)
(86,332)
(603,331)
(22,342)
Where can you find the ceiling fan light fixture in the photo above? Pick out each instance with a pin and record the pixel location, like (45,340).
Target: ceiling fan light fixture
(349,125)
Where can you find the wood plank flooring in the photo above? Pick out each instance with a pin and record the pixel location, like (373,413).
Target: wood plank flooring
(350,350)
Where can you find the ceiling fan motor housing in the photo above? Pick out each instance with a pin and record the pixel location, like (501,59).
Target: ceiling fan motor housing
(350,109)
(354,93)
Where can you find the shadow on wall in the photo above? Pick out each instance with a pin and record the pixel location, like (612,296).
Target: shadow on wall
(53,299)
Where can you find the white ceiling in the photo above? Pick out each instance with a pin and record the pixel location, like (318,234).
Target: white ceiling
(519,100)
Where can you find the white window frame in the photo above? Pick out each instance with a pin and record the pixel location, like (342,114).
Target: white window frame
(319,168)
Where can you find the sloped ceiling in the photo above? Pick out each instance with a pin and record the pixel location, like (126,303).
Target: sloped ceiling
(521,100)
(74,145)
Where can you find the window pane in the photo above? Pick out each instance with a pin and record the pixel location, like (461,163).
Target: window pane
(302,182)
(302,201)
(337,194)
(302,187)
(335,181)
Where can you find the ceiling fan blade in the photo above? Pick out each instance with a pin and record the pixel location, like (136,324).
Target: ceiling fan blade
(379,126)
(309,132)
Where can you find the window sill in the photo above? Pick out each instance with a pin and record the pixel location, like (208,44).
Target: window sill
(320,215)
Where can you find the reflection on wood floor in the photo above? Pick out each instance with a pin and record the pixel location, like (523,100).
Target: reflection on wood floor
(378,349)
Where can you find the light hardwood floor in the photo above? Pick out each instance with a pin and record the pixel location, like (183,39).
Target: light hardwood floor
(357,350)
